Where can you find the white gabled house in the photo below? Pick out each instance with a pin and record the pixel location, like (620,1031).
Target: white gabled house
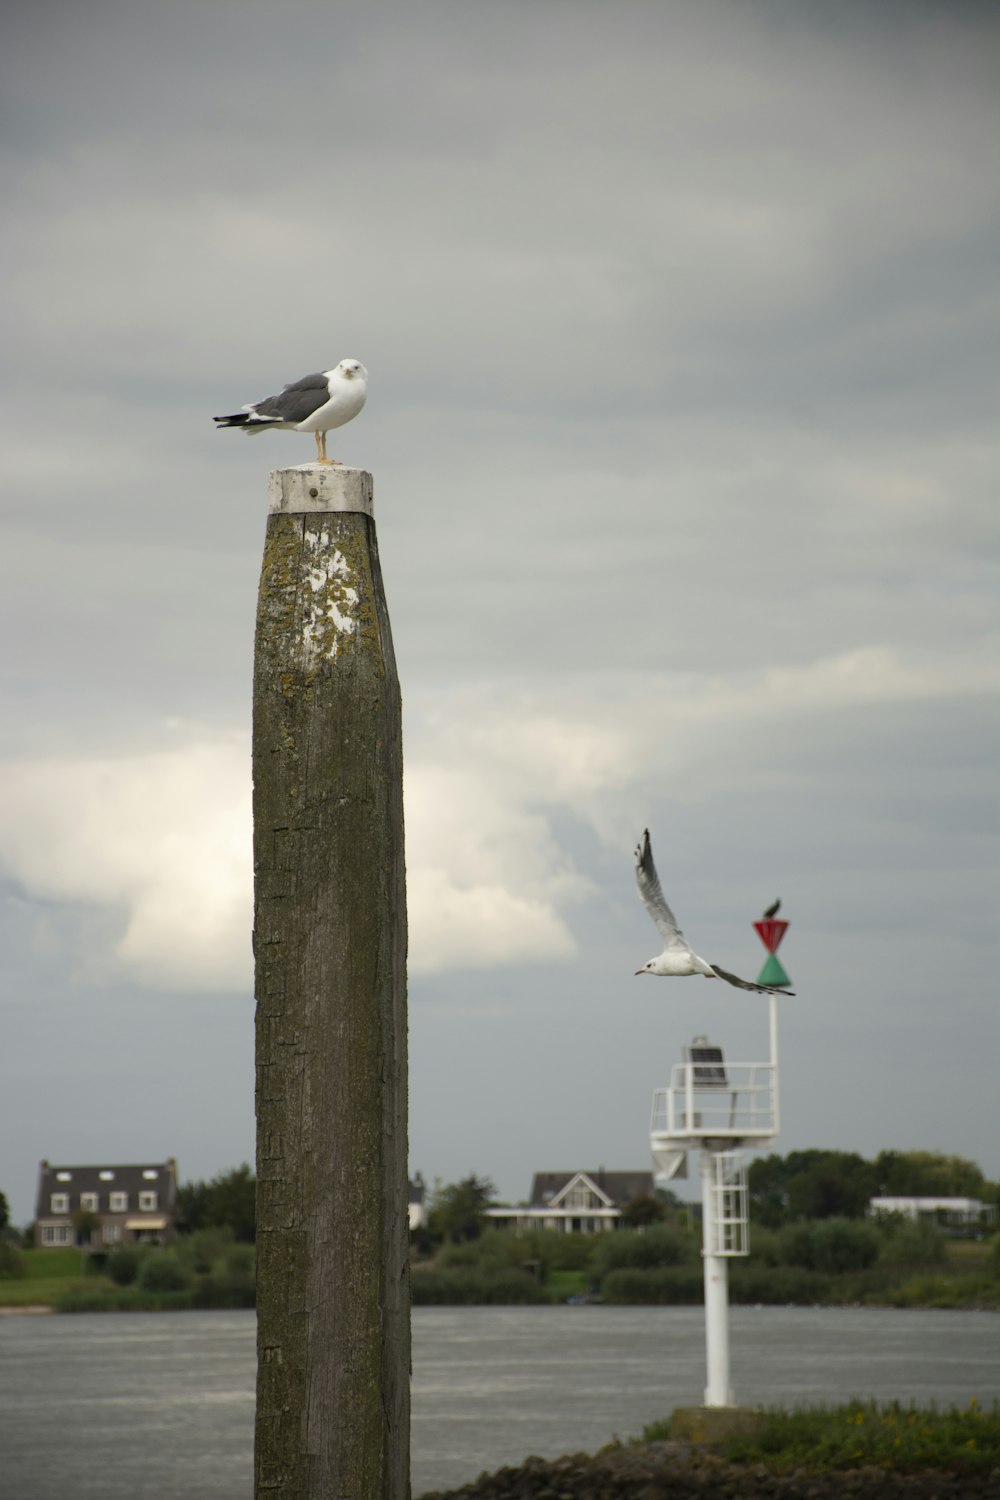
(575,1202)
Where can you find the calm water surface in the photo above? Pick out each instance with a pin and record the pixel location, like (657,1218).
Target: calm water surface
(152,1406)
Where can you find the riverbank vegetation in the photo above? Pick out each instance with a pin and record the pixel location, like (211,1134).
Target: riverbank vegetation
(811,1242)
(861,1450)
(206,1269)
(859,1434)
(835,1262)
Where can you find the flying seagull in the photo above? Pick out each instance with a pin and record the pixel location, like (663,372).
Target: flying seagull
(772,910)
(678,959)
(313,404)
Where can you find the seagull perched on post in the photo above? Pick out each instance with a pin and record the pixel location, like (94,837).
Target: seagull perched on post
(678,958)
(313,404)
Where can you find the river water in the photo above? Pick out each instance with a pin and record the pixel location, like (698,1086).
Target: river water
(159,1406)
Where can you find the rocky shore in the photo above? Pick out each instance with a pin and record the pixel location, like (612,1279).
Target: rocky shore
(683,1471)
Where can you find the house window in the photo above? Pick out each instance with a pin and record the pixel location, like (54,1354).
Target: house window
(111,1233)
(147,1202)
(150,1174)
(106,1176)
(59,1203)
(119,1203)
(88,1202)
(57,1234)
(580,1197)
(64,1177)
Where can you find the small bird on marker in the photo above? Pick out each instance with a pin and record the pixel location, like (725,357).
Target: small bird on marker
(772,910)
(313,404)
(678,958)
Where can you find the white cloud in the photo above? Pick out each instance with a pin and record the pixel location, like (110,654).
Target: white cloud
(165,837)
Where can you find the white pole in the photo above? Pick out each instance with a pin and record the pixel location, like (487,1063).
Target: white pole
(775,1123)
(717,1391)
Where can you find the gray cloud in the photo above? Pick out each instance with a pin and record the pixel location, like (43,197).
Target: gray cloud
(680,323)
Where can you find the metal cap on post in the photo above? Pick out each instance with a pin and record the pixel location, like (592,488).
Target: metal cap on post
(330,951)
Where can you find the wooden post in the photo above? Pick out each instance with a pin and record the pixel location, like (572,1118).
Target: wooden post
(333,1335)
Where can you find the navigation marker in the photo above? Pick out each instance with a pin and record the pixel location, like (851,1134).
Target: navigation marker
(771,930)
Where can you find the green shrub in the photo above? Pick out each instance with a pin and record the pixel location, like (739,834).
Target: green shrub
(123,1265)
(162,1272)
(563,1252)
(910,1242)
(929,1289)
(680,1285)
(126,1299)
(463,1287)
(648,1250)
(765,1246)
(538,1251)
(830,1245)
(224,1291)
(240,1262)
(779,1286)
(857,1434)
(13,1265)
(206,1247)
(993,1259)
(489,1251)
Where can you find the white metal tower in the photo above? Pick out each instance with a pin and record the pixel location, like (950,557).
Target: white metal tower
(723,1109)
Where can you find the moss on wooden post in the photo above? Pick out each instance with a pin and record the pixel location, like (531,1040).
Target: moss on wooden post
(330,947)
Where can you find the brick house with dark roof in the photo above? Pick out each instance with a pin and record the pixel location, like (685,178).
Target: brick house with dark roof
(576,1202)
(133,1205)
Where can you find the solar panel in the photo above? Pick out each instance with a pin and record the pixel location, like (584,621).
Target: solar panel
(709,1070)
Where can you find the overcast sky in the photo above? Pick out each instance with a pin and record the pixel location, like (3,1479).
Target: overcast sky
(681,329)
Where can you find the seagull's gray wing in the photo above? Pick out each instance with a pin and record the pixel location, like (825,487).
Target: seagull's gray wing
(653,898)
(745,984)
(297,401)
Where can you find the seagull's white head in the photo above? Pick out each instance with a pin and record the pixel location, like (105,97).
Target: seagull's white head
(651,967)
(352,369)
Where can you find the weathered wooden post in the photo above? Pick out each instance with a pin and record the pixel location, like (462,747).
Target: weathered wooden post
(333,1339)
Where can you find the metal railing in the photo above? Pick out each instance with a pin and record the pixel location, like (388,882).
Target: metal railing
(737,1102)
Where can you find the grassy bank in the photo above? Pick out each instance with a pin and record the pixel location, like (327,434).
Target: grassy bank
(858,1434)
(829,1262)
(199,1271)
(860,1450)
(820,1263)
(44,1276)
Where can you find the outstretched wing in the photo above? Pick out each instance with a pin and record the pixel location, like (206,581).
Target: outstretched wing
(745,984)
(653,898)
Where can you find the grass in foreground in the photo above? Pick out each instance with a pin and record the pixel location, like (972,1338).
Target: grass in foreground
(857,1434)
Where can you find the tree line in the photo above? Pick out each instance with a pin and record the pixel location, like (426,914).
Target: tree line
(821,1184)
(803,1185)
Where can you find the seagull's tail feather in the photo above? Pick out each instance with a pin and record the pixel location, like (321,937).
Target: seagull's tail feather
(248,421)
(745,984)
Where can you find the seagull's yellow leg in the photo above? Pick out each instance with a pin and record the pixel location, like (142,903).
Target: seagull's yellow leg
(321,448)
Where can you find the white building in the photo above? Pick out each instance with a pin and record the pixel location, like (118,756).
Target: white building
(956,1211)
(575,1202)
